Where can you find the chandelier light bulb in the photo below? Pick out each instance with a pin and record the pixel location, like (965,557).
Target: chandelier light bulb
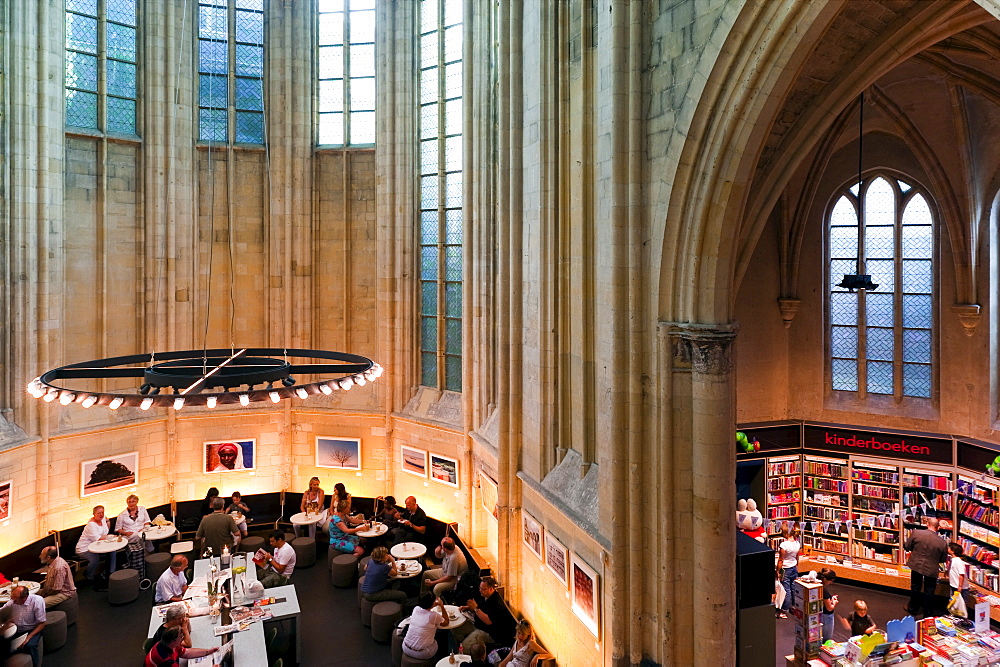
(346,383)
(211,402)
(378,370)
(274,396)
(116,402)
(51,396)
(302,393)
(244,399)
(67,397)
(326,388)
(89,401)
(178,403)
(146,404)
(360,380)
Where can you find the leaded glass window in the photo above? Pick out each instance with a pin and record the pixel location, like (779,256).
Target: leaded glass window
(100,68)
(440,182)
(231,71)
(881,340)
(346,72)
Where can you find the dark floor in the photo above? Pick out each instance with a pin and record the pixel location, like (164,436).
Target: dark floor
(882,607)
(330,622)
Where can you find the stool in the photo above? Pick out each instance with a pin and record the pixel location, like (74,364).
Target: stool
(71,607)
(366,612)
(20,659)
(363,565)
(305,551)
(342,571)
(156,564)
(407,661)
(54,632)
(397,647)
(251,544)
(385,616)
(123,586)
(289,537)
(361,582)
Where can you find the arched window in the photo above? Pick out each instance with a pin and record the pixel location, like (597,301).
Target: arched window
(880,340)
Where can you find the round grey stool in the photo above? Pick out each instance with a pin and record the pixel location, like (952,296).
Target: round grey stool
(156,564)
(123,586)
(54,632)
(397,646)
(366,612)
(305,551)
(407,661)
(288,538)
(342,570)
(21,659)
(361,582)
(71,607)
(363,565)
(251,544)
(385,616)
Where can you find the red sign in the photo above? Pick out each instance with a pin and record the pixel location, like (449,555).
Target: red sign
(889,445)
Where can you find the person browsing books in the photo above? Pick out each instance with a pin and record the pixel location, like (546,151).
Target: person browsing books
(280,565)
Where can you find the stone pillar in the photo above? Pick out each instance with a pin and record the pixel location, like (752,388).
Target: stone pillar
(703,352)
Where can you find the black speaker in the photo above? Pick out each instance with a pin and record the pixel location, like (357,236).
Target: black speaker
(754,572)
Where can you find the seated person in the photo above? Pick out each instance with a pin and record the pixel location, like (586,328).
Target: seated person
(172,584)
(342,534)
(375,586)
(526,652)
(339,493)
(313,501)
(453,566)
(237,505)
(218,529)
(412,523)
(176,617)
(168,650)
(388,513)
(96,529)
(492,621)
(477,652)
(58,585)
(206,505)
(278,567)
(28,616)
(420,641)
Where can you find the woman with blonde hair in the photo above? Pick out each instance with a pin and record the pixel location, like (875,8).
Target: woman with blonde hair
(342,534)
(375,587)
(526,652)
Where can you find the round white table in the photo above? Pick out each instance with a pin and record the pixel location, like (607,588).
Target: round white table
(377,531)
(32,586)
(456,659)
(106,546)
(303,519)
(455,618)
(407,569)
(408,550)
(159,532)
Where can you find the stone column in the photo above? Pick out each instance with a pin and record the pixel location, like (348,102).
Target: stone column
(703,352)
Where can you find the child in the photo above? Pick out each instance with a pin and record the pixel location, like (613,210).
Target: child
(958,578)
(859,622)
(779,595)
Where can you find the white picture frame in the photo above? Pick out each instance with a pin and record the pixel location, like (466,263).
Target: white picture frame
(444,470)
(585,585)
(557,558)
(6,498)
(413,461)
(245,459)
(338,452)
(533,535)
(108,473)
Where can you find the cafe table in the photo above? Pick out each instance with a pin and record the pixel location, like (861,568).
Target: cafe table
(249,646)
(406,569)
(106,545)
(154,533)
(32,586)
(454,660)
(455,616)
(378,530)
(408,550)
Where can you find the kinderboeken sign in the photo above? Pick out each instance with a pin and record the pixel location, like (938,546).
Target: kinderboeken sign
(918,449)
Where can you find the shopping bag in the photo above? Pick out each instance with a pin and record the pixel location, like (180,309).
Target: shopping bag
(956,605)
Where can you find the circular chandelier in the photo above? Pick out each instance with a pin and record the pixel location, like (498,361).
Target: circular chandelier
(208,377)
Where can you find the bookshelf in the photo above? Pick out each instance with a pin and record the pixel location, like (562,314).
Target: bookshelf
(826,501)
(784,491)
(928,486)
(978,531)
(875,491)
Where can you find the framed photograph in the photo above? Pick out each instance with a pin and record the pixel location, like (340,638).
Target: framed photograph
(111,472)
(532,533)
(556,557)
(414,461)
(5,494)
(488,493)
(444,470)
(585,585)
(230,455)
(343,453)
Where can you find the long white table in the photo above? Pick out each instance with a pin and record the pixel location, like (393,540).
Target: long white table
(249,647)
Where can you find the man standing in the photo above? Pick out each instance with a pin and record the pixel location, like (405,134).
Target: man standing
(492,622)
(172,584)
(280,565)
(927,550)
(412,523)
(453,566)
(58,585)
(28,615)
(218,529)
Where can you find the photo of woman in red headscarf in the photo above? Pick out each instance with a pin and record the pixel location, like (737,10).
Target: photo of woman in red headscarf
(228,456)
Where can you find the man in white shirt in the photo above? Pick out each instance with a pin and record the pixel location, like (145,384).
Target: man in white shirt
(279,567)
(28,615)
(172,584)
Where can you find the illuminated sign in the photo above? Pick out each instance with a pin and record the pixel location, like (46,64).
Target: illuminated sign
(888,445)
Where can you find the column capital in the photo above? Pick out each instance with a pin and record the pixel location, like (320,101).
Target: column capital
(701,348)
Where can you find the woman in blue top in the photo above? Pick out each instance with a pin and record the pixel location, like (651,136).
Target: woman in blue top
(374,588)
(342,536)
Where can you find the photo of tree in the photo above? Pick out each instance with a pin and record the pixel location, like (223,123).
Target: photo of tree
(343,453)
